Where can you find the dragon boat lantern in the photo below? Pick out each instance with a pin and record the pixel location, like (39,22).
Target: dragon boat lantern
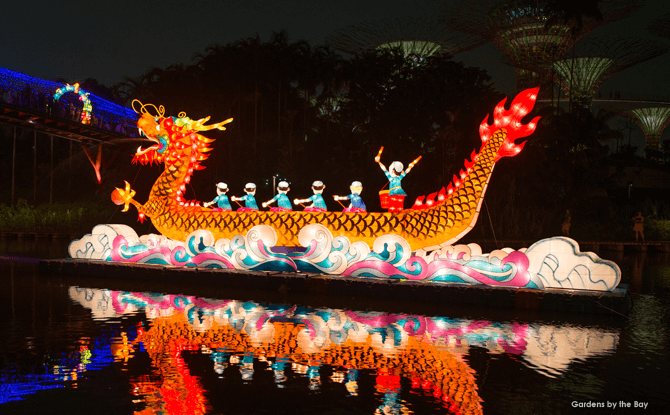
(434,221)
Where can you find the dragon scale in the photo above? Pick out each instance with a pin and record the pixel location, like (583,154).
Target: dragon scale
(442,219)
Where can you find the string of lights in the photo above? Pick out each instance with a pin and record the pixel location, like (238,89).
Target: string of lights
(17,83)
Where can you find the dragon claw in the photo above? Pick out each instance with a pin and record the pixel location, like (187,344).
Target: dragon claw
(123,196)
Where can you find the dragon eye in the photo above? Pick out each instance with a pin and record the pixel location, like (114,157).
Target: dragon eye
(163,143)
(158,127)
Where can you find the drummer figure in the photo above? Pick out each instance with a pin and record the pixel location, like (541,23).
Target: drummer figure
(221,200)
(318,204)
(283,202)
(395,174)
(356,204)
(248,199)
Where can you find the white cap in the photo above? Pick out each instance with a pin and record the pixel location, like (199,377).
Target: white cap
(250,186)
(283,184)
(222,186)
(317,183)
(357,184)
(397,166)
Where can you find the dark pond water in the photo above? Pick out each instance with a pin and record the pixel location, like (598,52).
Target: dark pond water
(74,346)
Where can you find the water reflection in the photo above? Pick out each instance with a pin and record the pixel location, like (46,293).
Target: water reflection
(403,356)
(552,349)
(210,351)
(54,371)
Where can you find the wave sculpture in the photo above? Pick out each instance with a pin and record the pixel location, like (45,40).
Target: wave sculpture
(550,263)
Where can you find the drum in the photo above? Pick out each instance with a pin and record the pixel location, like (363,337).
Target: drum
(384,198)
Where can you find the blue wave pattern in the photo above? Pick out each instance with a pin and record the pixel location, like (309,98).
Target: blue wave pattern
(390,258)
(554,262)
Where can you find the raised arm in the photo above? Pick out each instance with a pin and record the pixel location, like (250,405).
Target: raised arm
(378,158)
(412,164)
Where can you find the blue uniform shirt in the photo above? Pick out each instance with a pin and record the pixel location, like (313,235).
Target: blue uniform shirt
(222,202)
(318,201)
(394,184)
(283,201)
(249,201)
(356,201)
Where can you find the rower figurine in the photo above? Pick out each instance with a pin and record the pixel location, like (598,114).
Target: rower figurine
(223,205)
(318,204)
(249,199)
(395,174)
(356,204)
(281,198)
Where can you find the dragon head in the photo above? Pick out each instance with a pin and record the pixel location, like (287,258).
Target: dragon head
(155,130)
(172,137)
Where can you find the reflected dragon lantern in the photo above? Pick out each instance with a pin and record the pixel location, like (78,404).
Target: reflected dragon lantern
(437,220)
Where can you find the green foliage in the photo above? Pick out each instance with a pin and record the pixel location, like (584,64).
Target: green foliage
(657,229)
(61,217)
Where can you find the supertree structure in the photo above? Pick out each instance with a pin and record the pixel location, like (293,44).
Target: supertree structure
(582,71)
(418,36)
(652,120)
(532,32)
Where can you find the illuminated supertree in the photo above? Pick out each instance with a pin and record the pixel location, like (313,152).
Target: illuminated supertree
(653,121)
(533,32)
(582,71)
(418,36)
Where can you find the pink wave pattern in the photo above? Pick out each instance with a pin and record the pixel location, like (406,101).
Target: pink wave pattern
(511,338)
(428,271)
(120,245)
(414,269)
(416,325)
(120,301)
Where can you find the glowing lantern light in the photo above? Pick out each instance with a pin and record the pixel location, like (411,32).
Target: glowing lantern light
(83,97)
(460,201)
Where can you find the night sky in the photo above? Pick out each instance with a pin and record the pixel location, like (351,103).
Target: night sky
(77,39)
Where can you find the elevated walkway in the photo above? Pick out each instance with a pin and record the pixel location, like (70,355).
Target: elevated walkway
(28,102)
(56,110)
(35,120)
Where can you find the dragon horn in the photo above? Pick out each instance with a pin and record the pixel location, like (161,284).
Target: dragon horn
(198,125)
(160,111)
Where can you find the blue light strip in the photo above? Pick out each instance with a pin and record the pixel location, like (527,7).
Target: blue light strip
(15,391)
(102,109)
(17,387)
